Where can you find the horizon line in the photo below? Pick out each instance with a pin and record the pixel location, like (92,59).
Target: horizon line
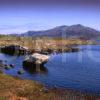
(36,30)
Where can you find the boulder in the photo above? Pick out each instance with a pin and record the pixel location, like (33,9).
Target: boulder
(36,59)
(14,49)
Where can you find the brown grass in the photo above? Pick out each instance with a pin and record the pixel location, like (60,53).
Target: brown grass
(41,43)
(16,89)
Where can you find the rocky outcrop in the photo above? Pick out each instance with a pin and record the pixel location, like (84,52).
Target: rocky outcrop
(14,50)
(36,60)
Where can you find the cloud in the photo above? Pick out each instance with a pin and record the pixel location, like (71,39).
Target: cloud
(8,27)
(22,28)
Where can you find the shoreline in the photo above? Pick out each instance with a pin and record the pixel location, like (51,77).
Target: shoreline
(30,89)
(14,87)
(53,92)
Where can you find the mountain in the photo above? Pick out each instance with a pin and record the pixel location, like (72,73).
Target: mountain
(74,31)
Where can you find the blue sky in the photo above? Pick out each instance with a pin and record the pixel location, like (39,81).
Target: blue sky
(22,20)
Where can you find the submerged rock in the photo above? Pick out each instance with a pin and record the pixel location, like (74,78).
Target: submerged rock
(21,71)
(1,61)
(7,67)
(12,65)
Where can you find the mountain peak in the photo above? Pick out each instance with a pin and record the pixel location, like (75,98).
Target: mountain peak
(78,31)
(63,26)
(77,25)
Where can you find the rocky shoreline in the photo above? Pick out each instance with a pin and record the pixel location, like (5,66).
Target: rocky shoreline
(45,93)
(20,50)
(34,58)
(14,50)
(29,90)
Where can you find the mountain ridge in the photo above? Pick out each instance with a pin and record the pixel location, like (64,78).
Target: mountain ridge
(73,31)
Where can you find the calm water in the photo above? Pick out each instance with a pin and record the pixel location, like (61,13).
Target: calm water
(78,70)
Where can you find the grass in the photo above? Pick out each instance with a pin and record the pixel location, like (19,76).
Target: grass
(43,43)
(10,86)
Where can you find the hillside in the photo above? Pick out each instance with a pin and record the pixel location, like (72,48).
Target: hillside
(74,31)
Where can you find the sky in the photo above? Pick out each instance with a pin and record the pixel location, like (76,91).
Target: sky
(23,18)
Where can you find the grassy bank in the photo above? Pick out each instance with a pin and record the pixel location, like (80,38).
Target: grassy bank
(15,89)
(43,43)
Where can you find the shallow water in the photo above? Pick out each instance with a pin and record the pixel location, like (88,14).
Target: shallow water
(78,70)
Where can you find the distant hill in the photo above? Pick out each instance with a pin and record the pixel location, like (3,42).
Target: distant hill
(74,31)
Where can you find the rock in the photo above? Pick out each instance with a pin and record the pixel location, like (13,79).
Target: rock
(7,67)
(14,49)
(12,65)
(36,59)
(21,71)
(1,61)
(75,49)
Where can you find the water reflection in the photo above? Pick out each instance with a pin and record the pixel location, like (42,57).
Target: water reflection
(36,69)
(70,74)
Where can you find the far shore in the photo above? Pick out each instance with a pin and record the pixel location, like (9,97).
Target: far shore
(45,44)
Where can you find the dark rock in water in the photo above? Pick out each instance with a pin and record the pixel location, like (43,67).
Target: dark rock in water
(14,50)
(36,62)
(1,61)
(32,64)
(7,67)
(12,65)
(32,67)
(21,71)
(67,49)
(74,49)
(46,52)
(35,69)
